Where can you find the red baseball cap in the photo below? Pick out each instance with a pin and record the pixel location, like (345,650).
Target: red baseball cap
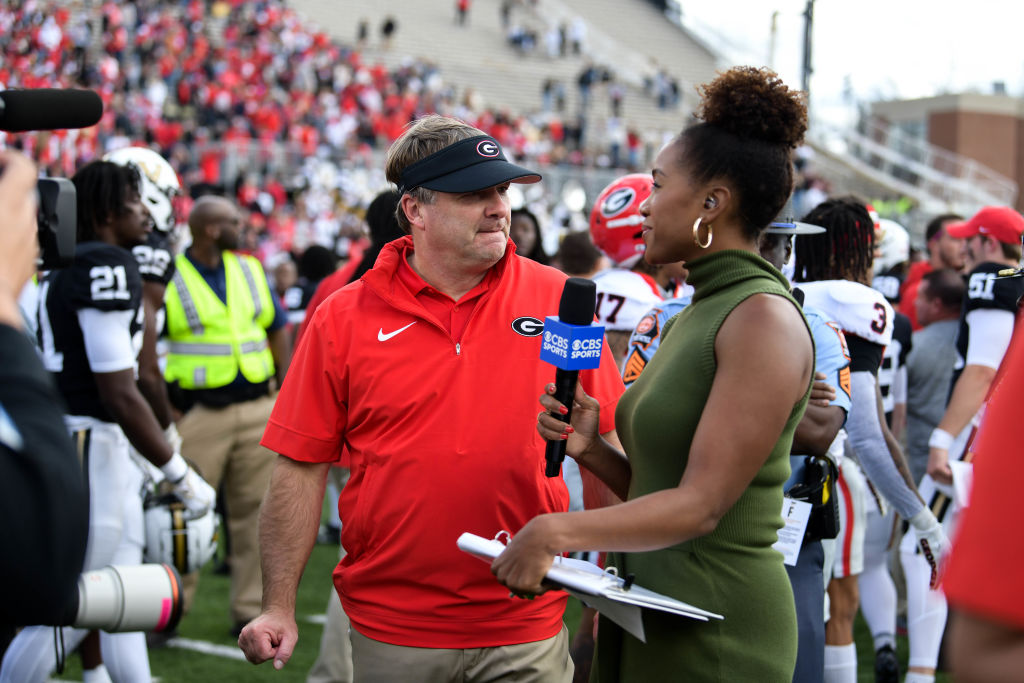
(1000,222)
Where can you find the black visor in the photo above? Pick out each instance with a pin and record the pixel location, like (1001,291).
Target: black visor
(469,165)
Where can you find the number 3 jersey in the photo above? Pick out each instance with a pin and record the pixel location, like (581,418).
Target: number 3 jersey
(90,320)
(864,315)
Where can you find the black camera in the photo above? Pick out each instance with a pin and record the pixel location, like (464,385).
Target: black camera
(57,219)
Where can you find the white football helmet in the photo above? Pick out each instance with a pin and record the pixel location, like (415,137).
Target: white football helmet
(159,182)
(175,536)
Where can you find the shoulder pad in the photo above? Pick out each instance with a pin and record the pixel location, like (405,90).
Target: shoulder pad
(105,277)
(986,290)
(858,309)
(623,297)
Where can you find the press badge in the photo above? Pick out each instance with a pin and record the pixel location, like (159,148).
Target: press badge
(795,514)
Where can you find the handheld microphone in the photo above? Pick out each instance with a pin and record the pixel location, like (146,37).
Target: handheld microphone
(48,109)
(571,343)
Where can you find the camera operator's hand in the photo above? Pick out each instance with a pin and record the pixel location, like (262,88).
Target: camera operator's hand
(271,635)
(195,493)
(19,247)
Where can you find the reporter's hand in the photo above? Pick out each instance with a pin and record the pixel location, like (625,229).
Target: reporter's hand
(581,433)
(271,635)
(19,247)
(932,540)
(525,561)
(197,495)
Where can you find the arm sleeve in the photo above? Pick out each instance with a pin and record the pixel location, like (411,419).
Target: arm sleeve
(990,332)
(868,443)
(43,492)
(108,339)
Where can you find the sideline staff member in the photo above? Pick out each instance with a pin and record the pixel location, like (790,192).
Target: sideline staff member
(44,499)
(426,370)
(227,339)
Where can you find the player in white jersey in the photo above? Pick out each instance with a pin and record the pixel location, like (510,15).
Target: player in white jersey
(632,287)
(90,331)
(986,324)
(832,270)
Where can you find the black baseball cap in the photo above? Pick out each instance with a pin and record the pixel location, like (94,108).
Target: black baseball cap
(469,165)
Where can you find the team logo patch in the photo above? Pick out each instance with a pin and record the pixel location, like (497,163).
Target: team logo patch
(646,324)
(527,326)
(488,148)
(635,364)
(617,201)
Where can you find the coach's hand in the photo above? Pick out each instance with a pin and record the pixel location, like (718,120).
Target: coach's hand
(271,635)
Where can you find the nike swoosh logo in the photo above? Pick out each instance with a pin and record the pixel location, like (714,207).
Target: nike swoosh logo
(384,337)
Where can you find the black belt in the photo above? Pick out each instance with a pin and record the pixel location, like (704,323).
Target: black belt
(229,395)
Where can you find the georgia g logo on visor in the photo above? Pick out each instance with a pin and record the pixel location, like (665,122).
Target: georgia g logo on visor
(488,148)
(617,201)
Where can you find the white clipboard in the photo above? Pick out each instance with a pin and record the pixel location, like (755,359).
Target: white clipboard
(601,589)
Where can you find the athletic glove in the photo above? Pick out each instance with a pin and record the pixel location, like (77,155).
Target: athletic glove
(195,493)
(932,539)
(173,438)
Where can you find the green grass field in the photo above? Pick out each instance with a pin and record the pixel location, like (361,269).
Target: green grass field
(209,621)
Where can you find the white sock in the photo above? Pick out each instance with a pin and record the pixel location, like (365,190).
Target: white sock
(914,677)
(97,675)
(841,663)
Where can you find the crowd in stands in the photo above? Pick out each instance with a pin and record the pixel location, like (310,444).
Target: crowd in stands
(246,98)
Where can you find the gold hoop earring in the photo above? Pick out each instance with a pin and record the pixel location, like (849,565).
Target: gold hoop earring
(696,234)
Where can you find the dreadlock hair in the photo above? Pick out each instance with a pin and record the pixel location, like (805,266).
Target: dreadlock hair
(103,190)
(844,251)
(750,124)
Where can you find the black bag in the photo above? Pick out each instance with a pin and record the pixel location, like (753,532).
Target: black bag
(819,489)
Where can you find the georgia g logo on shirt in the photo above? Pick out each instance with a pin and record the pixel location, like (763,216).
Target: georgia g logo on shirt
(528,326)
(488,148)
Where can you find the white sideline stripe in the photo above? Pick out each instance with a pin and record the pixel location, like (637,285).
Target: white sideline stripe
(316,619)
(207,648)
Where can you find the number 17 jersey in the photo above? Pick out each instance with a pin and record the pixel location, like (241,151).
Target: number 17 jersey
(103,277)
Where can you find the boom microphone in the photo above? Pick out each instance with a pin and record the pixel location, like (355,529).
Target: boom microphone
(571,343)
(48,109)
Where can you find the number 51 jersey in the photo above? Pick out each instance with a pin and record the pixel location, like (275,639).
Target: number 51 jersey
(105,278)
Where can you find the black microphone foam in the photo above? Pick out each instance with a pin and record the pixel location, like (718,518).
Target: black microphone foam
(48,109)
(579,299)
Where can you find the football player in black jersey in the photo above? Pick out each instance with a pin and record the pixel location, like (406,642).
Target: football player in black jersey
(987,317)
(90,330)
(158,187)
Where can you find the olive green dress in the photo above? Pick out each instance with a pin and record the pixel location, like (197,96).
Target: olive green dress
(733,570)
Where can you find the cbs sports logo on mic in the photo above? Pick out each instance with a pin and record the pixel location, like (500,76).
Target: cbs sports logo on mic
(571,347)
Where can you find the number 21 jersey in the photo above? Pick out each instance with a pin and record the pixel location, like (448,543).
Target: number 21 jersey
(105,278)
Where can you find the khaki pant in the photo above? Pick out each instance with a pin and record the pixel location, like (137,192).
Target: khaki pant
(224,445)
(545,661)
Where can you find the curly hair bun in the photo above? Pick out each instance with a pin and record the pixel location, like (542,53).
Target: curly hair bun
(754,103)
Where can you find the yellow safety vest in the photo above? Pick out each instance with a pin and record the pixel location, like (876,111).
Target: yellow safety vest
(210,341)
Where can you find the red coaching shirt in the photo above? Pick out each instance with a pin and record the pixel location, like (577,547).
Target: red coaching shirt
(442,435)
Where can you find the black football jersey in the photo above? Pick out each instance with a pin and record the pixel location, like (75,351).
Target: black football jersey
(156,262)
(985,290)
(104,277)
